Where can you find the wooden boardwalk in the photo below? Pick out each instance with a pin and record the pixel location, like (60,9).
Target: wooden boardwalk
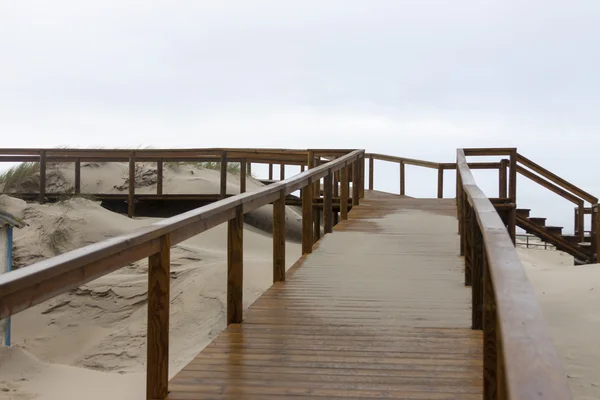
(378,310)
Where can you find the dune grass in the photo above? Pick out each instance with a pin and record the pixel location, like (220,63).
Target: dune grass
(22,177)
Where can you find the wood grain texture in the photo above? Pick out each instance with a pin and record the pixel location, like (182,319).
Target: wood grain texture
(235,267)
(157,372)
(378,310)
(279,239)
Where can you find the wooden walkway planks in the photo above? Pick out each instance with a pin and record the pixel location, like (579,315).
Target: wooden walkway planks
(378,310)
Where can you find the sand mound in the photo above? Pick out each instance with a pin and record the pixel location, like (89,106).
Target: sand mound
(569,296)
(98,331)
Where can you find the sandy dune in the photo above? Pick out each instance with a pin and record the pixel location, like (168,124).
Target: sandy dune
(570,296)
(92,340)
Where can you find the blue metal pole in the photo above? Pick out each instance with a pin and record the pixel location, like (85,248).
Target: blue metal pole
(9,268)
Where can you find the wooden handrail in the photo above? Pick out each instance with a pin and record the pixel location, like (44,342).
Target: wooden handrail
(558,180)
(520,359)
(41,281)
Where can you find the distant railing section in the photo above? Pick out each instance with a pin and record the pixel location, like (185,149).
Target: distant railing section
(528,241)
(44,280)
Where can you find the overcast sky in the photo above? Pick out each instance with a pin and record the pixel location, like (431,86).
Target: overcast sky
(411,78)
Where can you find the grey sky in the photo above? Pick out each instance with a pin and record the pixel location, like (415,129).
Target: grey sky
(414,78)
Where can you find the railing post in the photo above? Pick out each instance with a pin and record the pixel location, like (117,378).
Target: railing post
(157,373)
(355,183)
(270,171)
(440,188)
(361,187)
(512,223)
(42,176)
(316,222)
(477,256)
(336,195)
(371,166)
(490,336)
(345,189)
(223,190)
(249,172)
(159,177)
(503,179)
(307,218)
(402,179)
(328,202)
(235,267)
(243,176)
(581,221)
(131,196)
(77,175)
(281,171)
(512,188)
(595,234)
(279,238)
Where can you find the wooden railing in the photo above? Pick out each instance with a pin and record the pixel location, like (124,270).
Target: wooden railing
(44,280)
(225,156)
(520,359)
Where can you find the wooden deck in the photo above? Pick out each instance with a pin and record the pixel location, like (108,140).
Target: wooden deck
(378,310)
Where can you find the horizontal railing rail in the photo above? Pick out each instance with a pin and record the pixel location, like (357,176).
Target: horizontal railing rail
(520,359)
(26,287)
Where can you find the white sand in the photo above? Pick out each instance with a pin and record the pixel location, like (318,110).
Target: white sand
(570,299)
(91,343)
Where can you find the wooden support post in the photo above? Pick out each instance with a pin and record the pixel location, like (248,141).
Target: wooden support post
(402,179)
(316,224)
(243,176)
(344,193)
(157,372)
(440,187)
(361,166)
(159,177)
(328,203)
(512,187)
(223,182)
(281,171)
(302,168)
(500,366)
(477,255)
(270,172)
(249,168)
(581,221)
(490,336)
(131,196)
(371,163)
(336,194)
(307,219)
(595,234)
(463,228)
(78,175)
(355,183)
(503,179)
(279,238)
(512,223)
(235,267)
(42,176)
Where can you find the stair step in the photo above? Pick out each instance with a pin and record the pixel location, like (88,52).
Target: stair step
(537,220)
(524,212)
(556,230)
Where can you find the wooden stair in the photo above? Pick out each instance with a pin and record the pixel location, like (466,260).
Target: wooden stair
(553,234)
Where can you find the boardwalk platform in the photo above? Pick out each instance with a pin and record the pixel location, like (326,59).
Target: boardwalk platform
(378,310)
